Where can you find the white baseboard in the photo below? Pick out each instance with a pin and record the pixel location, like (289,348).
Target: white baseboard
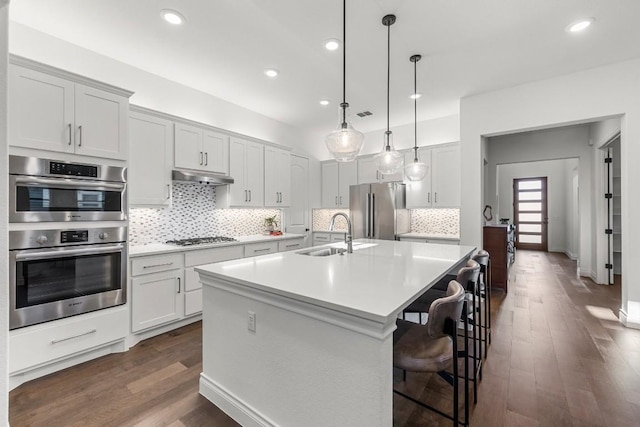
(624,319)
(231,405)
(135,337)
(572,257)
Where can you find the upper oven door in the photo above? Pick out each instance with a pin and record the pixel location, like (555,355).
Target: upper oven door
(37,199)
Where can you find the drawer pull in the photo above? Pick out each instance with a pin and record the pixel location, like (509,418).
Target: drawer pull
(262,250)
(93,331)
(292,246)
(158,265)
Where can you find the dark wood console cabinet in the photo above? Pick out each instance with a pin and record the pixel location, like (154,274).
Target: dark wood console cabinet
(498,241)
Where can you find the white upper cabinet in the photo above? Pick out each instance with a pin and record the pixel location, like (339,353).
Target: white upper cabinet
(440,188)
(336,179)
(201,149)
(368,172)
(246,167)
(277,177)
(151,143)
(50,112)
(445,179)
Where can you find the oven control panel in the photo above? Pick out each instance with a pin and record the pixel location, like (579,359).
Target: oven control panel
(74,236)
(73,169)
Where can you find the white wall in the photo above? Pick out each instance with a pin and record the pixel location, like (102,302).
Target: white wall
(572,209)
(555,171)
(152,91)
(550,144)
(4,275)
(586,96)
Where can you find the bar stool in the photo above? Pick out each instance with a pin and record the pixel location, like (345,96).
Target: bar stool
(433,347)
(484,291)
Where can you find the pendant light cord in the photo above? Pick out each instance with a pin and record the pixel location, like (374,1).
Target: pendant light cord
(388,72)
(344,64)
(415,110)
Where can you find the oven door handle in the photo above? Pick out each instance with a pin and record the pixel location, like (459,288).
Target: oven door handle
(68,183)
(65,253)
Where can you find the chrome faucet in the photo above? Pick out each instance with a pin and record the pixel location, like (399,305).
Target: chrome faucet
(348,237)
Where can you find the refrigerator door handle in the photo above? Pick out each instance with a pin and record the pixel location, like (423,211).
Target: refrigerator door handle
(367,225)
(372,221)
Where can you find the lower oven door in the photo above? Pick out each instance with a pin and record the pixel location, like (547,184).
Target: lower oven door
(49,284)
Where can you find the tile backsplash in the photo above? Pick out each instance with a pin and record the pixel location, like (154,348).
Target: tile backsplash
(429,221)
(436,221)
(193,214)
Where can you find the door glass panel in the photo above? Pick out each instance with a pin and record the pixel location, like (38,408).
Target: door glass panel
(529,185)
(530,228)
(535,206)
(530,195)
(530,238)
(530,217)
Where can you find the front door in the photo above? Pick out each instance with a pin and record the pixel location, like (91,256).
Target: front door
(530,213)
(297,216)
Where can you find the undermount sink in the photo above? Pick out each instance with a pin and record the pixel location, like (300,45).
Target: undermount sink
(322,252)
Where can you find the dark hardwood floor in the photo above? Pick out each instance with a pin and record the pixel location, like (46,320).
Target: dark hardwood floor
(558,357)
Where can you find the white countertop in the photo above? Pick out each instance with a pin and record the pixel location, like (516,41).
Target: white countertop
(374,282)
(430,236)
(161,248)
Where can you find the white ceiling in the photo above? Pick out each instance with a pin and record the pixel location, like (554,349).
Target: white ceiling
(468,47)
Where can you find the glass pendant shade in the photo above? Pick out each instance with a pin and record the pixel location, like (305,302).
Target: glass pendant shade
(345,142)
(388,161)
(416,170)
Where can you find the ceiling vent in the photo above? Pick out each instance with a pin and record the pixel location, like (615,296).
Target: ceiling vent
(364,114)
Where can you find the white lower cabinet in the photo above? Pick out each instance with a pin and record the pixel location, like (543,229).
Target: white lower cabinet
(37,345)
(262,248)
(157,292)
(291,245)
(322,238)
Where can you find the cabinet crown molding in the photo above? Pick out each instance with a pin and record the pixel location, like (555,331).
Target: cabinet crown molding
(77,78)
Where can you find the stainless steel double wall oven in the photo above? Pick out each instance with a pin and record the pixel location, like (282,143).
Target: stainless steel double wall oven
(61,270)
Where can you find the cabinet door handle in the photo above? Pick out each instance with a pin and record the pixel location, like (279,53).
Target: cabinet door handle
(336,200)
(206,159)
(201,157)
(69,133)
(246,196)
(429,197)
(249,195)
(93,331)
(179,284)
(80,139)
(157,265)
(340,200)
(377,174)
(168,191)
(435,197)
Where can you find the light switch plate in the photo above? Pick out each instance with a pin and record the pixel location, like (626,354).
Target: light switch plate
(251,324)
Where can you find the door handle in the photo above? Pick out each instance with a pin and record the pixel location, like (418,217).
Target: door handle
(168,191)
(246,196)
(336,200)
(179,284)
(429,197)
(435,197)
(201,158)
(206,159)
(249,195)
(340,200)
(80,139)
(69,133)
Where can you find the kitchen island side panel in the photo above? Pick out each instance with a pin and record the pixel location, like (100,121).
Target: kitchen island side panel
(299,367)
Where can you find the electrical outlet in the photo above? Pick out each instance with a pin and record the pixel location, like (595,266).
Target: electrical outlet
(251,324)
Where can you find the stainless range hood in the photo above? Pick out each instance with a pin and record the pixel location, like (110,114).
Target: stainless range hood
(201,178)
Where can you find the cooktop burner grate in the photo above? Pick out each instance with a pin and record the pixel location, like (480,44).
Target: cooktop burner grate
(201,240)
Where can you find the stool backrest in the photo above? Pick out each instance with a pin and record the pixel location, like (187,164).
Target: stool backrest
(445,308)
(468,276)
(481,258)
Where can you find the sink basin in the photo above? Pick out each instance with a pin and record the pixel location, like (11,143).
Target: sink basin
(322,251)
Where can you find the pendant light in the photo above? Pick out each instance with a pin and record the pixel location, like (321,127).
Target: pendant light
(388,161)
(416,170)
(345,142)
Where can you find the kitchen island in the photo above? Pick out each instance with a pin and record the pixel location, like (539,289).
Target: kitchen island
(291,339)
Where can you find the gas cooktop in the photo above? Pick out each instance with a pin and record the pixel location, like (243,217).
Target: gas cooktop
(201,240)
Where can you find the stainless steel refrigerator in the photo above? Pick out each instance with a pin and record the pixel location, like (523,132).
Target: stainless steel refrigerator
(378,211)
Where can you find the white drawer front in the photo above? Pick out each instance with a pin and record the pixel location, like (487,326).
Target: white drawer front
(193,302)
(208,256)
(337,237)
(322,237)
(40,344)
(156,263)
(290,245)
(256,249)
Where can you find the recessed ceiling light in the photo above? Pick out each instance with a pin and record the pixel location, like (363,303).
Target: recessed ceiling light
(332,44)
(324,102)
(580,25)
(415,95)
(271,72)
(172,17)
